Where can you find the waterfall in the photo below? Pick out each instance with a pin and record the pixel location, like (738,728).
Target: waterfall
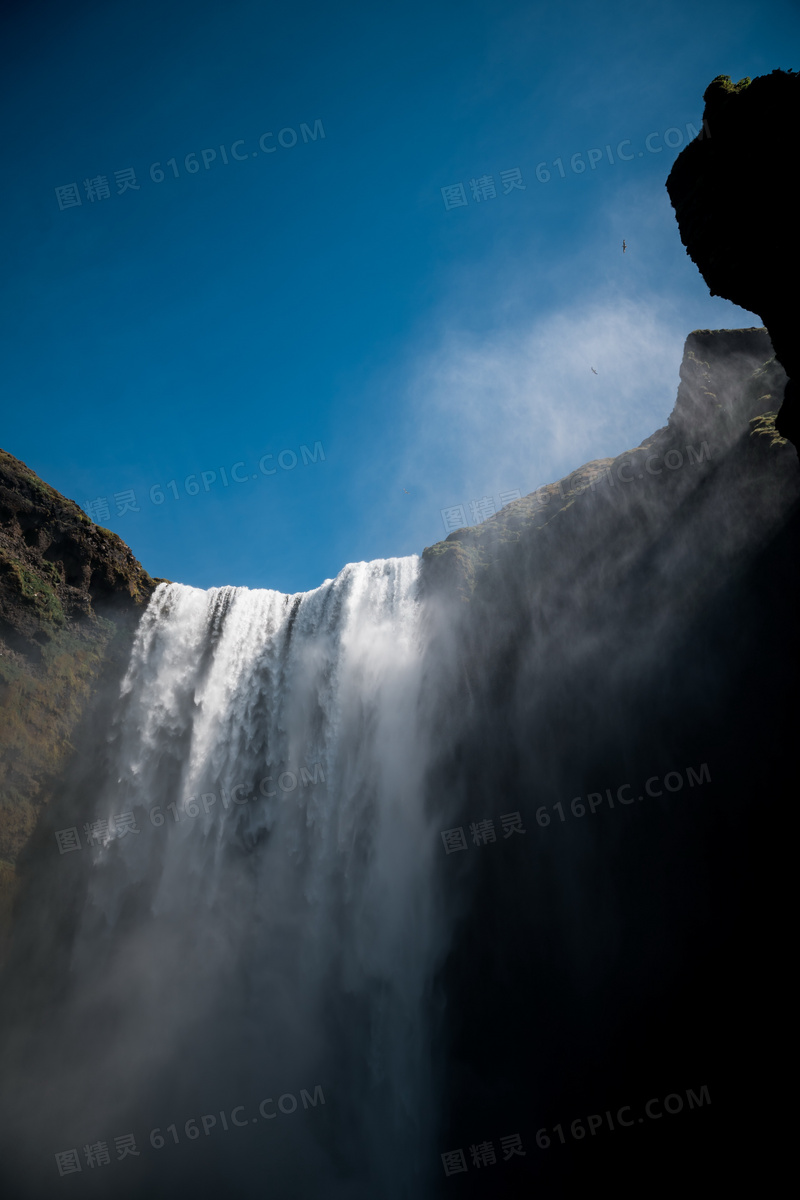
(269,969)
(270,923)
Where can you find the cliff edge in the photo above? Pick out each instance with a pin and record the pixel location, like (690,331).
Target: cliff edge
(731,386)
(734,195)
(71,594)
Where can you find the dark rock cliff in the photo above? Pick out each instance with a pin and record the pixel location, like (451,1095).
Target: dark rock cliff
(634,622)
(734,192)
(636,625)
(730,387)
(71,593)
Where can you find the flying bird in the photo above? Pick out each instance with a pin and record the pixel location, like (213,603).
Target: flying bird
(624,244)
(407,492)
(594,371)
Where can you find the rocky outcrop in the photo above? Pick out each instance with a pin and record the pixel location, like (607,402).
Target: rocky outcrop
(71,593)
(633,625)
(730,383)
(734,194)
(636,620)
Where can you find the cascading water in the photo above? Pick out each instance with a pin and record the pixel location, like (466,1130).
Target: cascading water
(283,984)
(286,935)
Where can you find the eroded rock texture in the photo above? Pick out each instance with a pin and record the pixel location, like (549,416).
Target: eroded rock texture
(734,193)
(71,593)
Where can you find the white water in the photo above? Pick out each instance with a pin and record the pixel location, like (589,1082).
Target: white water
(300,925)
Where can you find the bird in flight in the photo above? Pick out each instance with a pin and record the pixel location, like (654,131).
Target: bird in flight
(594,371)
(624,244)
(407,492)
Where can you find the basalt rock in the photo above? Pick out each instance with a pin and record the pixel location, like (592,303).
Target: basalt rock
(71,594)
(734,194)
(730,388)
(634,623)
(637,618)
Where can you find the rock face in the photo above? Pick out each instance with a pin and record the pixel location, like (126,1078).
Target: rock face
(633,623)
(735,198)
(70,596)
(730,384)
(72,592)
(610,659)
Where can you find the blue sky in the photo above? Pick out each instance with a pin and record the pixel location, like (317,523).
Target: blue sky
(320,290)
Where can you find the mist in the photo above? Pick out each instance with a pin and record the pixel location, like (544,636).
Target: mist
(421,855)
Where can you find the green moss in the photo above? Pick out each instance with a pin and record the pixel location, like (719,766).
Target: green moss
(38,711)
(33,588)
(9,670)
(723,84)
(58,646)
(764,426)
(763,395)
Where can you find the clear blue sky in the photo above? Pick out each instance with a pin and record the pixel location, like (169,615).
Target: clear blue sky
(324,293)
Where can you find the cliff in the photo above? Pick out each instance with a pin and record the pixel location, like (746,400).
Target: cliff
(731,385)
(633,623)
(636,622)
(71,593)
(734,194)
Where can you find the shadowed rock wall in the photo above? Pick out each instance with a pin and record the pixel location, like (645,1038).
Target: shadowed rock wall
(626,946)
(734,191)
(71,593)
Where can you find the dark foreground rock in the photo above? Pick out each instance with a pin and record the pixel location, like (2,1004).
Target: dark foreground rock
(610,660)
(734,193)
(623,676)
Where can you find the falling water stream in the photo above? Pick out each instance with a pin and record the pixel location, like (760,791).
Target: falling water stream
(266,922)
(270,923)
